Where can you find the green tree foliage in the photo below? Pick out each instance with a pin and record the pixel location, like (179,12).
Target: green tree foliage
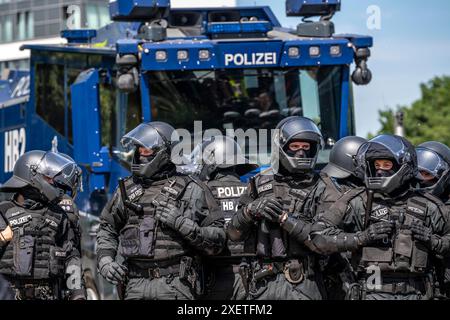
(427,118)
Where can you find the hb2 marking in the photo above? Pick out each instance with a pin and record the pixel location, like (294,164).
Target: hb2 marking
(14,147)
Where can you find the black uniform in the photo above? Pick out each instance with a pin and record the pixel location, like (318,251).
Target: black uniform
(42,254)
(225,271)
(404,262)
(161,263)
(284,268)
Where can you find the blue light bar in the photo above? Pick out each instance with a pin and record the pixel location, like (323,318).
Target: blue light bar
(238,27)
(79,36)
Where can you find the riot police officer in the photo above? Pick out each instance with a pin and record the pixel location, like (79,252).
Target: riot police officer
(340,175)
(41,260)
(219,162)
(274,215)
(433,159)
(392,230)
(158,221)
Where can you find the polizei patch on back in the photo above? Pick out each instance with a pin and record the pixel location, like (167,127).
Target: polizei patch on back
(230,192)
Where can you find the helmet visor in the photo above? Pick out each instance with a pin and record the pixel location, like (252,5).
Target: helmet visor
(395,147)
(429,161)
(53,164)
(144,135)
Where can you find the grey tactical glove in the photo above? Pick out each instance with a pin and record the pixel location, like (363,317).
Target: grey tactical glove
(168,214)
(111,270)
(377,231)
(172,217)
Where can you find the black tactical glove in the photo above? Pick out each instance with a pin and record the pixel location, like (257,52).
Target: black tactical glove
(111,270)
(273,211)
(425,235)
(270,209)
(420,232)
(377,231)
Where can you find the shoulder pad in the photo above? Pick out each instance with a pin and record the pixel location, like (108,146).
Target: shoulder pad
(5,205)
(435,200)
(14,211)
(261,178)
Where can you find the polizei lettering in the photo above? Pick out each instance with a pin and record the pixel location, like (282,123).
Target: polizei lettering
(230,192)
(19,221)
(251,59)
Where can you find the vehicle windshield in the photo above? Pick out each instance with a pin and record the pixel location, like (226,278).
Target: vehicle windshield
(249,99)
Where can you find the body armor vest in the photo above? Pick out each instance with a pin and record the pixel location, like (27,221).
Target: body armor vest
(271,240)
(144,239)
(400,252)
(35,251)
(227,192)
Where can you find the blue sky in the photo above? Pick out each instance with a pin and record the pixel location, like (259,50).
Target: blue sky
(412,47)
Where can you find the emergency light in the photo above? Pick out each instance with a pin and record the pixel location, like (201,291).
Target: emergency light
(238,27)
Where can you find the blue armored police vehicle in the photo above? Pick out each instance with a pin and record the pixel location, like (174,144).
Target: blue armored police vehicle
(230,68)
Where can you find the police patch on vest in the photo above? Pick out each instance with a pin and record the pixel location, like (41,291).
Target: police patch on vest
(229,205)
(265,187)
(230,192)
(380,212)
(171,191)
(51,223)
(135,192)
(299,192)
(20,221)
(66,202)
(416,210)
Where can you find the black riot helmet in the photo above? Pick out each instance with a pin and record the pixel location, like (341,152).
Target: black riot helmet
(439,148)
(159,137)
(388,147)
(47,174)
(217,153)
(434,159)
(343,158)
(292,129)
